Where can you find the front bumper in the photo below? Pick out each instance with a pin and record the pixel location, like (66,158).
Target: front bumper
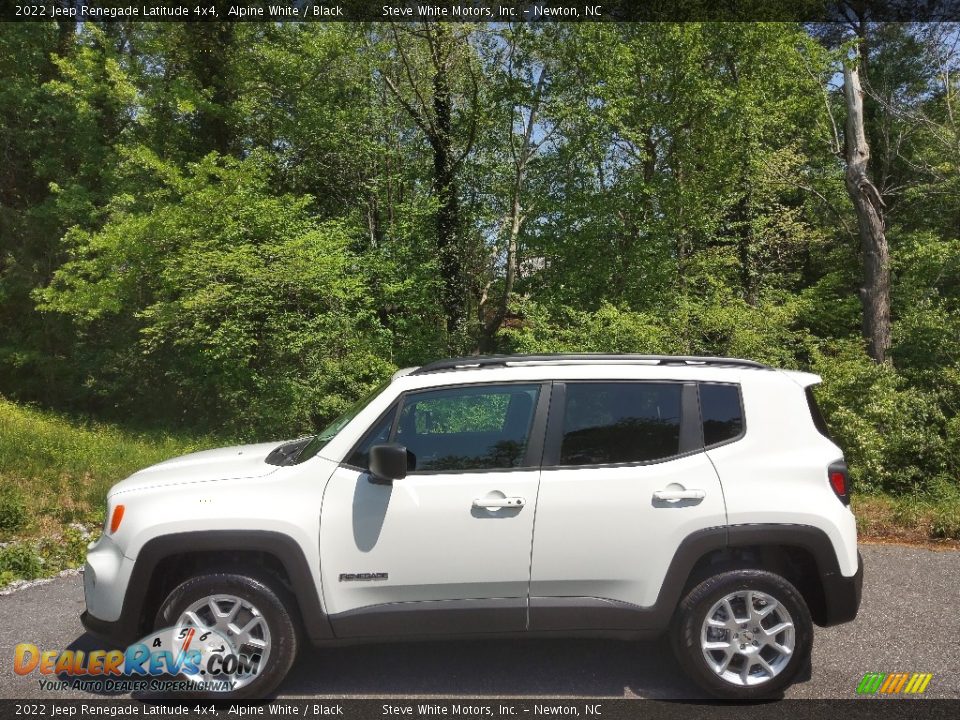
(118,633)
(842,595)
(106,577)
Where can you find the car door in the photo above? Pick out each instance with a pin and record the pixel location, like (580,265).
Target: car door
(625,480)
(447,548)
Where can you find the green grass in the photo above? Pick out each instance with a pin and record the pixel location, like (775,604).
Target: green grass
(54,475)
(913,519)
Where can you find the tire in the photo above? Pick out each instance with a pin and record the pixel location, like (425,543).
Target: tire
(279,637)
(735,643)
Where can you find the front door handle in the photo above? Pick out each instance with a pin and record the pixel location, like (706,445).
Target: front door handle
(493,503)
(678,495)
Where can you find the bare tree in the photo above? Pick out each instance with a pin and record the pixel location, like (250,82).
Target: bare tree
(523,148)
(875,292)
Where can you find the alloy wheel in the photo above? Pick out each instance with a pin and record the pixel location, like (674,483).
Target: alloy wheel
(747,637)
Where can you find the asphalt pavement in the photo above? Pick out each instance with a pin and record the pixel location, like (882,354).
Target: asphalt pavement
(909,622)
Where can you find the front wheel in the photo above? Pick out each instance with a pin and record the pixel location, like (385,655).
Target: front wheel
(242,629)
(743,635)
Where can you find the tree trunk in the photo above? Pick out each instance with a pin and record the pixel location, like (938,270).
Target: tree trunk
(445,190)
(435,117)
(492,326)
(522,157)
(875,293)
(745,255)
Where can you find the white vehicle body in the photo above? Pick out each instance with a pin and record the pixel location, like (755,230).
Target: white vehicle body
(603,547)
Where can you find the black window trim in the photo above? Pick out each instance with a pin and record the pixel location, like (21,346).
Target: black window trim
(535,444)
(546,431)
(743,415)
(691,427)
(366,435)
(816,414)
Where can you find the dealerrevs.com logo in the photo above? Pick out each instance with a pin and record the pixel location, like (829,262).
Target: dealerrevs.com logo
(181,659)
(901,683)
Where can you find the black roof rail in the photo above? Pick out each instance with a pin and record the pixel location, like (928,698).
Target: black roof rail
(475,362)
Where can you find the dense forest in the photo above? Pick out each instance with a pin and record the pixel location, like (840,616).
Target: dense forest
(239,229)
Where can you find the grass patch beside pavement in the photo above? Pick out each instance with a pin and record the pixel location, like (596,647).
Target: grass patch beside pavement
(916,520)
(54,475)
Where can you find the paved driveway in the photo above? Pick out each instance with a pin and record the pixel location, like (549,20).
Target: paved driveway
(909,622)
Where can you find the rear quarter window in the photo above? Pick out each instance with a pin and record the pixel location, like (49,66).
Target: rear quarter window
(721,411)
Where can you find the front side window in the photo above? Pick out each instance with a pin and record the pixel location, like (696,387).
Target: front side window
(721,411)
(468,428)
(620,422)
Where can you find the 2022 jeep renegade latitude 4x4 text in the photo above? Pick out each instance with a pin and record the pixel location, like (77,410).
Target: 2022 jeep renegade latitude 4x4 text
(552,495)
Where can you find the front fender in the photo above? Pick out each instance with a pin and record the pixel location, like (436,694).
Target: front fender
(288,552)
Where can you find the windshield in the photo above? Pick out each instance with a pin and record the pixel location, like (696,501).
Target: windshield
(317,442)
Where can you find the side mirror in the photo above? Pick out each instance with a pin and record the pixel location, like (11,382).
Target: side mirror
(388,462)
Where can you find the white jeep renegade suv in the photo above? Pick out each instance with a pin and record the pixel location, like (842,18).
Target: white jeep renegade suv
(551,495)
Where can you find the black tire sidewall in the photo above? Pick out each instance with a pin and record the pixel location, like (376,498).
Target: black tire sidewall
(693,610)
(283,635)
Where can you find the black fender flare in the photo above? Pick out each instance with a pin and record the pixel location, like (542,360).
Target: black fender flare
(841,594)
(283,547)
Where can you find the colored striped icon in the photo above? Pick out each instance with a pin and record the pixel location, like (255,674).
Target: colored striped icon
(894,683)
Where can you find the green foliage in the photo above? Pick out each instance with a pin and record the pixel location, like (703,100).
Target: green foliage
(253,313)
(26,560)
(19,561)
(54,475)
(235,230)
(720,325)
(911,518)
(946,522)
(13,510)
(476,413)
(69,550)
(894,435)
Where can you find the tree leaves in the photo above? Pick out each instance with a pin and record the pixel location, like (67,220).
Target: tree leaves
(250,249)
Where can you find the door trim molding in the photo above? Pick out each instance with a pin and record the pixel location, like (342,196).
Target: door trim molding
(432,617)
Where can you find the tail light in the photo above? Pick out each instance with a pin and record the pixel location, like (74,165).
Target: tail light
(839,479)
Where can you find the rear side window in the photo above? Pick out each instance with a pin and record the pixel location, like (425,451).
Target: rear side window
(625,422)
(721,412)
(815,413)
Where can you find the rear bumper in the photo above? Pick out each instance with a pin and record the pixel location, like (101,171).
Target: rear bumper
(842,595)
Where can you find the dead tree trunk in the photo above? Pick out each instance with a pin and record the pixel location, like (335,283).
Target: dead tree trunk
(515,218)
(875,292)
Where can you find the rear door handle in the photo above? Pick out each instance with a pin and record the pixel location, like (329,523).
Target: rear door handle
(492,503)
(677,495)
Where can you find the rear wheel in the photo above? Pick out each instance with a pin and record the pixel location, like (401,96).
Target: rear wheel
(259,640)
(743,634)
